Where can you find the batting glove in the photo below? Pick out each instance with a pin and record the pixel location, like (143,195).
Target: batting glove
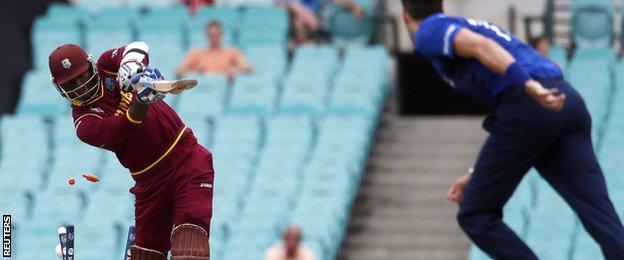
(143,83)
(125,73)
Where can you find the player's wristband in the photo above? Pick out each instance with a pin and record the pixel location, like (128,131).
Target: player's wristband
(516,75)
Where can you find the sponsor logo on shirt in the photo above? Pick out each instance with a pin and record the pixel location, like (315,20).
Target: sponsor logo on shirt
(109,83)
(205,185)
(124,103)
(97,110)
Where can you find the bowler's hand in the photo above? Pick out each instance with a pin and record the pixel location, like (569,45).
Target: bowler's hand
(456,192)
(547,98)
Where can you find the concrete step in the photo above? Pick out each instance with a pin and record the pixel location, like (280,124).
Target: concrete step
(401,211)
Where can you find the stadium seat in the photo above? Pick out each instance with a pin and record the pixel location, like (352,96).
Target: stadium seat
(16,204)
(64,132)
(592,22)
(559,55)
(267,60)
(97,6)
(67,166)
(36,240)
(289,128)
(24,138)
(253,95)
(303,97)
(474,253)
(67,13)
(39,97)
(263,27)
(110,28)
(162,29)
(347,29)
(50,32)
(97,240)
(47,207)
(207,99)
(320,58)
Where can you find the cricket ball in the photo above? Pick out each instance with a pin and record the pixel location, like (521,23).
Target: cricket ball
(72,181)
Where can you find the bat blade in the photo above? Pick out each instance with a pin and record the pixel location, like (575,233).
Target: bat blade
(174,86)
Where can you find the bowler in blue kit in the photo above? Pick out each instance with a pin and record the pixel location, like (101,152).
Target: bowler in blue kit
(537,120)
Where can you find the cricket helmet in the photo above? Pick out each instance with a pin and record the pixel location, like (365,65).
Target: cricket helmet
(69,62)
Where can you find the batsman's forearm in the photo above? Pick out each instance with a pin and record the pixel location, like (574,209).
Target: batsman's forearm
(137,112)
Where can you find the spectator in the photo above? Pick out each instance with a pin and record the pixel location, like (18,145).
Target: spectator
(541,45)
(303,17)
(291,248)
(194,5)
(216,59)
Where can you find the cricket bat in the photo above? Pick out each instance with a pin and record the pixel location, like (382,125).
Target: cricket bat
(174,86)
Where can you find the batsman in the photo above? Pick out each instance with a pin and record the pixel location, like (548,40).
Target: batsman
(115,107)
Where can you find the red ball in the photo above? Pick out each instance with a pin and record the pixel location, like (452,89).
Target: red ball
(72,181)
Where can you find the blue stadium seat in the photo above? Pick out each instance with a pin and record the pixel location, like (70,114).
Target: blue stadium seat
(39,97)
(49,33)
(268,36)
(24,143)
(207,99)
(201,129)
(64,132)
(474,253)
(345,28)
(48,207)
(253,95)
(162,29)
(357,97)
(110,28)
(585,247)
(303,97)
(16,204)
(592,22)
(289,128)
(267,60)
(97,240)
(321,58)
(263,26)
(559,55)
(36,240)
(97,6)
(67,13)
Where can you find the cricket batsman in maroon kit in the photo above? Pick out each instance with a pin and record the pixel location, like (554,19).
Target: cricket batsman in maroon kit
(115,108)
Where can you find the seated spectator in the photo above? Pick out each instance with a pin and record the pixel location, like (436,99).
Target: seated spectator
(215,59)
(303,18)
(291,248)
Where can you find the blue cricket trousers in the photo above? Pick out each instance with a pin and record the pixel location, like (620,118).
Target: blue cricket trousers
(559,145)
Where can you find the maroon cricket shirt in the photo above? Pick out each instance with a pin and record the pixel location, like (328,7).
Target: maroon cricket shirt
(157,144)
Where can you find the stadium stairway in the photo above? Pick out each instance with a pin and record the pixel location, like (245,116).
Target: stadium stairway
(401,211)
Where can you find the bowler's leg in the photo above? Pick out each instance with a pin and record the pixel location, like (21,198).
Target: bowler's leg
(575,173)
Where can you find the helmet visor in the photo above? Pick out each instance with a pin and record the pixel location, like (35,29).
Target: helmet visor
(83,88)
